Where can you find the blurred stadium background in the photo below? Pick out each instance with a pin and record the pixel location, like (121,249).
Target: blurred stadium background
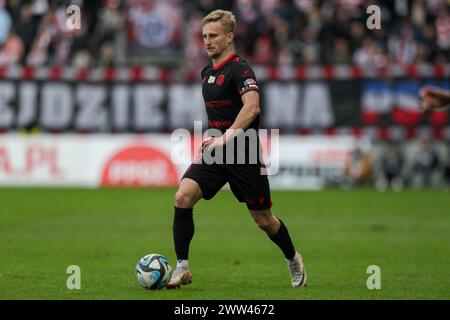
(95,107)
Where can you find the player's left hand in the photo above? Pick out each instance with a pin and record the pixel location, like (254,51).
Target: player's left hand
(212,143)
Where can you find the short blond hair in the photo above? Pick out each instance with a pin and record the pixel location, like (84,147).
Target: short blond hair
(225,17)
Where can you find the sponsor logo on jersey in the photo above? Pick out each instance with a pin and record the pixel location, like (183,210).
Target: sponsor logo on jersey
(249,82)
(220,124)
(218,103)
(211,79)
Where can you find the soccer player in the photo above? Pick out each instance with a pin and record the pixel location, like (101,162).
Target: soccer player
(433,98)
(231,98)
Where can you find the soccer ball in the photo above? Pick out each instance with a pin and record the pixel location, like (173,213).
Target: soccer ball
(153,271)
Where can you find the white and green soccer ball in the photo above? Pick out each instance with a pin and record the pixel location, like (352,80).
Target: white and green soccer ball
(153,271)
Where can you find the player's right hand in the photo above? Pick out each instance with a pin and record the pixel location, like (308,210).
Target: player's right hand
(432,98)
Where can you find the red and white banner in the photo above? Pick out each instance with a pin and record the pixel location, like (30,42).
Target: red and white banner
(313,162)
(149,99)
(150,73)
(154,160)
(88,161)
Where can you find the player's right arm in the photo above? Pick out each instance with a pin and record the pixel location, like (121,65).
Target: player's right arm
(432,98)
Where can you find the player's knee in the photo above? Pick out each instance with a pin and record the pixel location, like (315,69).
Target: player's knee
(264,222)
(184,199)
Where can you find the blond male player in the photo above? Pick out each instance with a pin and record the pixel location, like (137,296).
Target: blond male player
(231,95)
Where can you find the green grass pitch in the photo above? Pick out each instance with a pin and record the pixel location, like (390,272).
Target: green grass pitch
(340,233)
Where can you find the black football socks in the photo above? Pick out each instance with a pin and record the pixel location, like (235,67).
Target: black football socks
(183,231)
(283,240)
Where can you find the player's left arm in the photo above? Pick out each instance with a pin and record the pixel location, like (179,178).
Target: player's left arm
(249,111)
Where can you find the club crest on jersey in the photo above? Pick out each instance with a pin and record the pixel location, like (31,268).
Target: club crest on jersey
(211,79)
(220,79)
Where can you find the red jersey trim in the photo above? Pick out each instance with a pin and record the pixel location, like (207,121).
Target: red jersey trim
(226,60)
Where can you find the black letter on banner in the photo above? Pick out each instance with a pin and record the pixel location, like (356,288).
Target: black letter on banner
(56,106)
(91,115)
(185,106)
(120,95)
(282,104)
(6,111)
(27,104)
(317,111)
(147,107)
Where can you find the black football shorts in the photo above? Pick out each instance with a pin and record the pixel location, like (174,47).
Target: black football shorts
(246,182)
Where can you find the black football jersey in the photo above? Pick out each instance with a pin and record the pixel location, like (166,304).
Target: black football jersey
(223,87)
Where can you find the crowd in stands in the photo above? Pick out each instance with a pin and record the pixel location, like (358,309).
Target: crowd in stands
(269,32)
(335,32)
(395,165)
(35,33)
(272,32)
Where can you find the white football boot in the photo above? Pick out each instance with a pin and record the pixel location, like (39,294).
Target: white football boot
(180,276)
(297,271)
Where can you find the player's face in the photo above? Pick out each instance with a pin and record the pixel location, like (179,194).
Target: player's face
(215,39)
